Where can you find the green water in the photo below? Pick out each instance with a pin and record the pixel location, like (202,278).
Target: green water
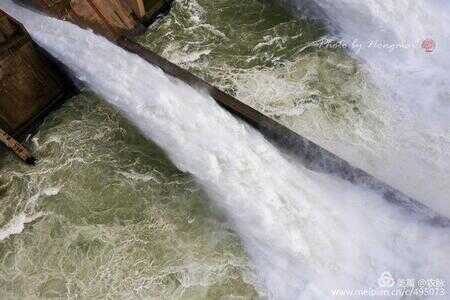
(113,218)
(257,52)
(108,216)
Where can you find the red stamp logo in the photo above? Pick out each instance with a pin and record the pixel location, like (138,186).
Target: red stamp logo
(428,45)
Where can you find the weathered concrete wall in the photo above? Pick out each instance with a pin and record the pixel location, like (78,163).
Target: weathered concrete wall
(110,18)
(137,6)
(29,84)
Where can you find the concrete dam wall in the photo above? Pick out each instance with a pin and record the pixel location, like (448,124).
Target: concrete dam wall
(30,83)
(118,19)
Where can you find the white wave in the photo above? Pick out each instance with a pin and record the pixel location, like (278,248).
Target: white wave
(139,177)
(413,154)
(17,224)
(306,233)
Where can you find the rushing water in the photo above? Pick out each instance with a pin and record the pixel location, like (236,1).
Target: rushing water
(386,112)
(305,233)
(107,215)
(387,36)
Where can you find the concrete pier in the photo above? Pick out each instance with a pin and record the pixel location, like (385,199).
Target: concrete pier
(30,84)
(110,18)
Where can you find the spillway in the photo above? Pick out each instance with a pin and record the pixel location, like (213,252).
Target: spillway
(306,233)
(387,38)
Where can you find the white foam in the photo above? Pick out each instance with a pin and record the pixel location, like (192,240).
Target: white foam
(17,224)
(306,233)
(413,151)
(139,177)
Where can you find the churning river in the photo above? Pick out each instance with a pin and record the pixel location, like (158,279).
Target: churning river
(149,189)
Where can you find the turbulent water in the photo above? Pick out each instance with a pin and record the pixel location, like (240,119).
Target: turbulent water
(106,215)
(387,36)
(305,233)
(386,112)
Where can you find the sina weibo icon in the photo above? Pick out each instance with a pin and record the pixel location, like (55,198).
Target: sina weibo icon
(386,280)
(428,45)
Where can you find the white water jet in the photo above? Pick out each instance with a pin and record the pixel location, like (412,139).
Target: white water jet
(387,36)
(306,233)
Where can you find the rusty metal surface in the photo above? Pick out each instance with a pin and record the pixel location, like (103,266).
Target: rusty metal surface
(21,152)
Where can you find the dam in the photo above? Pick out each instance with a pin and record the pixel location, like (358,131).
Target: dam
(312,155)
(29,82)
(221,174)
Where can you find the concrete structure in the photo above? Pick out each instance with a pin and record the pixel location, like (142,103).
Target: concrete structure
(110,18)
(312,155)
(137,6)
(29,82)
